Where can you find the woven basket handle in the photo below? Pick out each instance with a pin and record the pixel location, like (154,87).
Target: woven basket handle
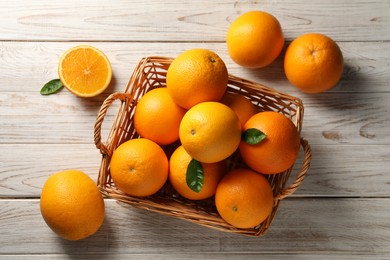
(100,117)
(298,180)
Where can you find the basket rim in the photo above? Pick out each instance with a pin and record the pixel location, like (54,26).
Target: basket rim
(256,85)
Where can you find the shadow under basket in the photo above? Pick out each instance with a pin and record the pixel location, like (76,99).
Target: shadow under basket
(150,73)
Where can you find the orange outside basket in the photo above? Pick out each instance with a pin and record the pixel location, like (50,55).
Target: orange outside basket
(150,73)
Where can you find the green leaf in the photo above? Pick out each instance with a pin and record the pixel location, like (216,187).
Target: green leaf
(195,175)
(51,87)
(253,136)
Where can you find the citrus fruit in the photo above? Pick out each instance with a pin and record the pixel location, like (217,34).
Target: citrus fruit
(244,198)
(255,39)
(279,150)
(85,71)
(212,173)
(72,205)
(210,132)
(313,63)
(242,106)
(157,117)
(196,76)
(139,167)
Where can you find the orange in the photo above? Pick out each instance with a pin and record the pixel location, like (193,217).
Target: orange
(157,117)
(178,165)
(313,63)
(196,76)
(242,106)
(279,150)
(210,132)
(255,39)
(72,205)
(85,71)
(139,167)
(244,198)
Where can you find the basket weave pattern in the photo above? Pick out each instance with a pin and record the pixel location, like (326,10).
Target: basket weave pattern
(150,73)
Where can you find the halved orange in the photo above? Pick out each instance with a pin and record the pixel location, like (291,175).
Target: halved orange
(85,71)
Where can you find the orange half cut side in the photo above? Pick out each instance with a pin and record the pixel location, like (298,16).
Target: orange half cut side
(85,71)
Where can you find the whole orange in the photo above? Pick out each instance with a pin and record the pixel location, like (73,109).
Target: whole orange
(279,150)
(244,198)
(242,106)
(255,39)
(139,167)
(196,76)
(212,173)
(210,132)
(313,63)
(157,117)
(72,205)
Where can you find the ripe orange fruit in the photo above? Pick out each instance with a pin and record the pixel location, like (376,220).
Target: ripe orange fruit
(85,71)
(72,205)
(210,132)
(244,198)
(255,39)
(139,167)
(157,117)
(242,106)
(178,165)
(196,76)
(279,150)
(313,63)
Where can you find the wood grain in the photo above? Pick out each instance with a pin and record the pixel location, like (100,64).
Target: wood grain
(187,20)
(26,167)
(209,256)
(303,226)
(353,118)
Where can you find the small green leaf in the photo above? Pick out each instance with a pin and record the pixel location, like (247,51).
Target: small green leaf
(253,136)
(195,175)
(51,87)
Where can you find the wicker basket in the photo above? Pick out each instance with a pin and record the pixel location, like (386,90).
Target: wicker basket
(150,73)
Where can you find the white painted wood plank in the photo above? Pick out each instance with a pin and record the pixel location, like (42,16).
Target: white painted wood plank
(26,66)
(347,171)
(302,226)
(208,256)
(329,118)
(186,20)
(347,118)
(25,167)
(335,171)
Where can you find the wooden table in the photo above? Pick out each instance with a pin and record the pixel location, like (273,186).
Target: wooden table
(342,208)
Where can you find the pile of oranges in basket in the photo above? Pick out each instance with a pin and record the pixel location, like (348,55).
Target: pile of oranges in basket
(211,124)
